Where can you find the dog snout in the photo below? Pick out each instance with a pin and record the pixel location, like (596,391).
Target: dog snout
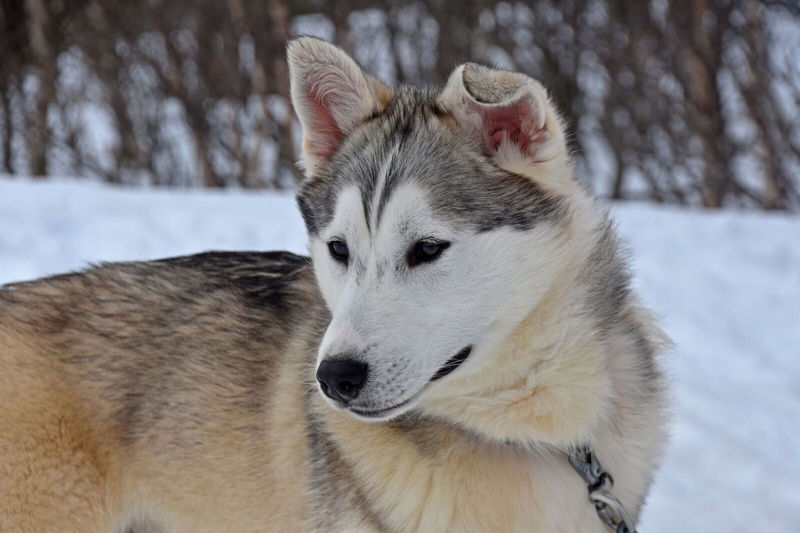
(342,379)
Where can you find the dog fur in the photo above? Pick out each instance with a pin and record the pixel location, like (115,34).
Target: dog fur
(180,395)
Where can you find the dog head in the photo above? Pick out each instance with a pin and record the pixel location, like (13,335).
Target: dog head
(434,219)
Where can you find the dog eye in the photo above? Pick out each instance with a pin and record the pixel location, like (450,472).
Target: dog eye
(426,252)
(339,251)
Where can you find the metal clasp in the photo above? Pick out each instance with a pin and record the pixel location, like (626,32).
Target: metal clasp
(586,465)
(600,483)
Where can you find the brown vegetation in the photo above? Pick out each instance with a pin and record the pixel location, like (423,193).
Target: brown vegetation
(686,101)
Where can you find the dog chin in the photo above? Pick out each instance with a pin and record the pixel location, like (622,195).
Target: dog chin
(373,415)
(384,414)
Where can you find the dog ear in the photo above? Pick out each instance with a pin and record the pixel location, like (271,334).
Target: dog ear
(331,95)
(509,113)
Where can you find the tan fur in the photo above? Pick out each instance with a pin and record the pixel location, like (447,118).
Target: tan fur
(53,469)
(65,465)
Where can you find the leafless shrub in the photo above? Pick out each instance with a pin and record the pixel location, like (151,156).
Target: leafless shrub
(690,102)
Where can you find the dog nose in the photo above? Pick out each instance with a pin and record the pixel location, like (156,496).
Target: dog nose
(341,379)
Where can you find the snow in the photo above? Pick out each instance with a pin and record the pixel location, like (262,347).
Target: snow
(727,285)
(55,226)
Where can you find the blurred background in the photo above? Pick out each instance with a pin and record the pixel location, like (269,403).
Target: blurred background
(140,129)
(691,102)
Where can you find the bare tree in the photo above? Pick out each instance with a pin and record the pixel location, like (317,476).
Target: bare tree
(689,102)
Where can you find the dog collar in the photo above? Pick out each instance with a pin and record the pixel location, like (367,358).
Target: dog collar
(600,483)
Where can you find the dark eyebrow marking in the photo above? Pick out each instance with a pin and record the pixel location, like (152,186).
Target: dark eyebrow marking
(393,173)
(367,188)
(366,180)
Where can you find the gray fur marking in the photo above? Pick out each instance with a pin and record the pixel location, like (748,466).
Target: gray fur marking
(461,183)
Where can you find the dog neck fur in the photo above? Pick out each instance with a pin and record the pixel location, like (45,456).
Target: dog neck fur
(539,389)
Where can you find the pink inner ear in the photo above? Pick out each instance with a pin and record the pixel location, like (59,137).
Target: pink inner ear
(325,134)
(511,122)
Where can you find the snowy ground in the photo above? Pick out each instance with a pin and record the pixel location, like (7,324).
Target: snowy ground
(727,285)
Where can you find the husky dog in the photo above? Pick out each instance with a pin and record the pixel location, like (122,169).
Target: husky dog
(465,319)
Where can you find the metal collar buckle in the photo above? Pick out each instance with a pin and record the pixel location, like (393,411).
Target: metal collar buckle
(600,483)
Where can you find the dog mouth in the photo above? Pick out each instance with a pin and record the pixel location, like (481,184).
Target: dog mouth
(452,363)
(446,369)
(380,413)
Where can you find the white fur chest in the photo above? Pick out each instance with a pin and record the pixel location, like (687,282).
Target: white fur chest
(466,488)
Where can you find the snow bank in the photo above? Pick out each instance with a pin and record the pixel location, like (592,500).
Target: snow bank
(727,285)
